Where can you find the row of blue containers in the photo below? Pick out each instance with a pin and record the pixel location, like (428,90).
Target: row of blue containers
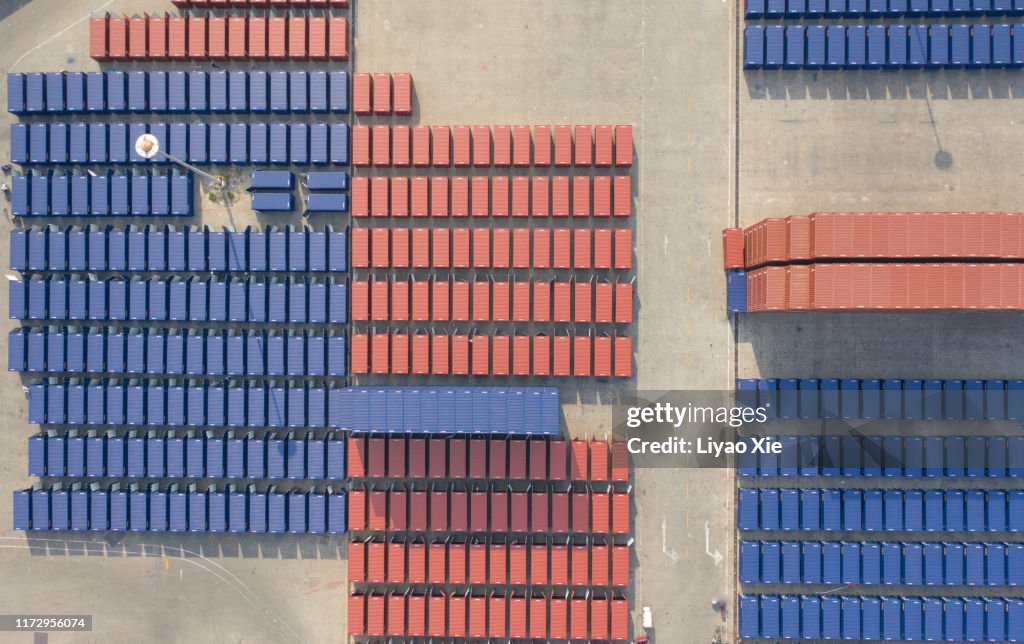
(203,455)
(173,352)
(914,456)
(755,9)
(887,563)
(296,301)
(881,46)
(735,291)
(834,510)
(199,143)
(418,410)
(160,248)
(285,180)
(105,194)
(177,91)
(891,399)
(905,619)
(155,509)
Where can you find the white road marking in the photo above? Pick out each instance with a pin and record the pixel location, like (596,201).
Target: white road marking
(664,541)
(58,34)
(717,556)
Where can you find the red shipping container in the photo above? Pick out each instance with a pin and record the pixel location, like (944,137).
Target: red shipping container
(622,347)
(399,352)
(277,37)
(620,566)
(539,558)
(520,196)
(580,512)
(440,254)
(521,301)
(477,617)
(362,93)
(356,457)
(563,146)
(521,248)
(437,461)
(257,37)
(480,199)
(581,248)
(417,523)
(396,615)
(619,619)
(542,301)
(356,614)
(623,145)
(500,355)
(602,248)
(377,505)
(602,196)
(356,510)
(477,563)
(560,565)
(436,607)
(580,575)
(521,145)
(497,450)
(500,249)
(502,146)
(541,248)
(540,204)
(622,194)
(559,512)
(561,248)
(297,38)
(234,37)
(138,45)
(378,298)
(520,355)
(456,616)
(497,562)
(380,360)
(558,618)
(361,145)
(560,196)
(337,38)
(440,291)
(461,145)
(400,248)
(420,254)
(602,356)
(538,460)
(400,147)
(481,354)
(798,287)
(360,197)
(541,355)
(356,561)
(499,196)
(460,300)
(481,145)
(599,557)
(375,615)
(360,300)
(732,247)
(599,510)
(460,197)
(477,458)
(599,619)
(620,513)
(117,37)
(439,196)
(403,93)
(460,355)
(157,28)
(382,93)
(177,37)
(439,360)
(619,461)
(482,255)
(517,617)
(360,353)
(584,146)
(419,191)
(460,522)
(557,460)
(581,196)
(582,304)
(542,146)
(420,346)
(439,521)
(579,458)
(624,249)
(563,302)
(396,457)
(98,38)
(396,563)
(603,304)
(379,247)
(538,518)
(381,138)
(317,33)
(602,145)
(496,621)
(421,146)
(442,146)
(517,459)
(500,299)
(417,616)
(519,507)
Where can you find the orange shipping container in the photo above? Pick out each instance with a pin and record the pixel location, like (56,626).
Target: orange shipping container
(361,145)
(563,145)
(337,38)
(355,459)
(362,93)
(521,302)
(357,511)
(380,359)
(583,145)
(381,138)
(542,145)
(582,304)
(602,196)
(379,248)
(419,192)
(400,146)
(460,301)
(396,562)
(379,196)
(356,561)
(542,301)
(477,617)
(399,297)
(460,197)
(541,355)
(439,355)
(460,355)
(481,248)
(400,361)
(500,299)
(436,605)
(236,36)
(520,248)
(623,349)
(540,204)
(382,93)
(138,46)
(421,146)
(561,352)
(360,197)
(560,196)
(521,145)
(356,614)
(480,197)
(581,196)
(480,351)
(624,302)
(502,146)
(481,145)
(360,300)
(624,249)
(157,28)
(602,357)
(581,356)
(317,32)
(580,569)
(732,245)
(98,38)
(257,37)
(396,615)
(622,205)
(439,196)
(442,146)
(460,248)
(599,507)
(177,37)
(623,145)
(517,617)
(561,248)
(379,299)
(541,248)
(420,248)
(403,93)
(500,248)
(461,144)
(360,353)
(520,355)
(599,557)
(562,299)
(520,196)
(196,38)
(602,248)
(360,247)
(602,145)
(798,238)
(581,248)
(277,37)
(440,291)
(499,196)
(500,355)
(375,616)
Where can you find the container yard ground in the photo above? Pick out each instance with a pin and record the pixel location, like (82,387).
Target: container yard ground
(663,66)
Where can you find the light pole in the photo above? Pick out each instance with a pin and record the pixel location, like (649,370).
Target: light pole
(147,146)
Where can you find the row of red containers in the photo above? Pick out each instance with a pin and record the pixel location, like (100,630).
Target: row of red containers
(877,235)
(488,458)
(489,196)
(257,4)
(892,287)
(372,93)
(442,145)
(218,37)
(495,564)
(489,512)
(441,354)
(450,300)
(579,248)
(496,617)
